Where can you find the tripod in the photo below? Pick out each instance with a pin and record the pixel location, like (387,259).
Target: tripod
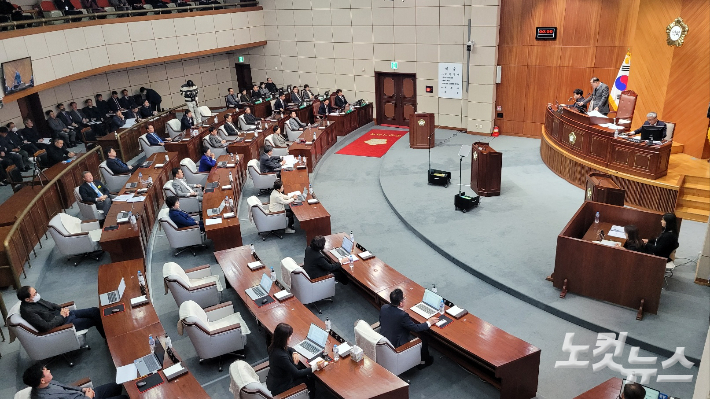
(38,173)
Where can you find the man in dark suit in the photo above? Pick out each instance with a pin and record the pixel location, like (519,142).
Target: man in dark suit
(325,108)
(652,120)
(229,126)
(187,121)
(154,99)
(153,138)
(340,101)
(271,85)
(114,105)
(180,217)
(599,98)
(116,121)
(146,111)
(295,96)
(102,105)
(83,122)
(280,104)
(12,149)
(316,264)
(117,166)
(44,315)
(395,325)
(95,192)
(231,99)
(244,98)
(126,101)
(56,152)
(93,112)
(255,93)
(269,163)
(31,134)
(60,130)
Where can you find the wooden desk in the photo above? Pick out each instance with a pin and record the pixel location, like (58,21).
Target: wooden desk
(593,233)
(313,219)
(612,274)
(251,147)
(73,178)
(191,146)
(609,389)
(128,242)
(345,378)
(325,138)
(360,116)
(261,110)
(228,233)
(505,361)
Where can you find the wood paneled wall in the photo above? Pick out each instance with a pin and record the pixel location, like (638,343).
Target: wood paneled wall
(593,37)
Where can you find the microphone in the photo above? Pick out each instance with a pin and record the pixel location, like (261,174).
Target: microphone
(570,99)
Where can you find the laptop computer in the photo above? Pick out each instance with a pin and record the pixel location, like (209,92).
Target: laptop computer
(146,164)
(113,296)
(314,344)
(344,249)
(261,290)
(216,211)
(132,185)
(429,305)
(151,363)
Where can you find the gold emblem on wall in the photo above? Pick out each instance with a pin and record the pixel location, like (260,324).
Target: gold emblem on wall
(421,122)
(589,193)
(475,155)
(675,32)
(572,137)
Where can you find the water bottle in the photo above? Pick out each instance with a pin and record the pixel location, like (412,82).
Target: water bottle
(442,308)
(433,288)
(168,341)
(253,251)
(314,136)
(351,258)
(231,178)
(151,343)
(134,222)
(305,191)
(596,218)
(310,189)
(167,159)
(141,280)
(116,135)
(327,324)
(273,274)
(140,177)
(150,179)
(352,236)
(300,158)
(336,355)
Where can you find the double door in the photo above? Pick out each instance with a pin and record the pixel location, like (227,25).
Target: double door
(396,98)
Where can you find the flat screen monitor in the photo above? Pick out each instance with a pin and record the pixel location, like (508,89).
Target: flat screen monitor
(648,132)
(17,75)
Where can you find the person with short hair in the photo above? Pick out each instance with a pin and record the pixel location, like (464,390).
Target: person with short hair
(276,139)
(12,148)
(187,121)
(667,241)
(633,390)
(269,163)
(231,99)
(249,118)
(94,192)
(152,137)
(40,379)
(180,217)
(92,111)
(244,98)
(102,104)
(255,93)
(153,98)
(60,129)
(214,140)
(395,325)
(277,203)
(146,110)
(114,105)
(116,165)
(190,94)
(31,134)
(182,188)
(229,127)
(295,96)
(280,104)
(316,263)
(294,123)
(271,85)
(325,109)
(208,161)
(284,372)
(340,101)
(600,97)
(116,121)
(307,94)
(126,101)
(263,91)
(56,153)
(44,315)
(652,120)
(17,137)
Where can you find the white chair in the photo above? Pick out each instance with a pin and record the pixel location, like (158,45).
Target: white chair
(307,290)
(57,341)
(88,210)
(187,204)
(192,175)
(148,149)
(114,182)
(215,331)
(262,181)
(204,112)
(396,360)
(180,239)
(197,284)
(250,383)
(243,125)
(670,128)
(292,135)
(173,127)
(670,267)
(278,151)
(76,238)
(217,151)
(266,222)
(83,383)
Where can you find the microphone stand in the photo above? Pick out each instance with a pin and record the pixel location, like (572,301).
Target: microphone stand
(461,157)
(429,144)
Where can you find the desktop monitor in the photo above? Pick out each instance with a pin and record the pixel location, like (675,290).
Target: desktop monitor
(651,132)
(17,75)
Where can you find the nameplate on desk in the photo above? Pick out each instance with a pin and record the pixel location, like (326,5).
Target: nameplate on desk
(187,139)
(456,312)
(174,371)
(229,215)
(209,190)
(141,190)
(365,255)
(132,185)
(139,301)
(283,295)
(159,165)
(255,265)
(313,201)
(231,165)
(248,140)
(227,187)
(301,167)
(309,142)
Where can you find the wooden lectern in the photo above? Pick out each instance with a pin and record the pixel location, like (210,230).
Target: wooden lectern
(421,131)
(600,188)
(485,169)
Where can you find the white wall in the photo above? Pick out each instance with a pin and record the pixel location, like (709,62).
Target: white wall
(340,44)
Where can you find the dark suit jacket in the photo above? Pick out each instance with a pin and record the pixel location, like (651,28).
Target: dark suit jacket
(663,245)
(88,194)
(395,325)
(323,111)
(115,122)
(269,164)
(93,113)
(103,107)
(637,248)
(340,101)
(599,98)
(117,166)
(282,371)
(56,155)
(255,94)
(317,265)
(659,123)
(77,117)
(279,105)
(230,129)
(65,118)
(186,123)
(152,96)
(127,102)
(145,112)
(272,87)
(207,163)
(30,135)
(244,98)
(114,104)
(181,218)
(42,315)
(153,139)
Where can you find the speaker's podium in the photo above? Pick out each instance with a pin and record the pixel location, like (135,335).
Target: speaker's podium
(600,188)
(421,130)
(485,169)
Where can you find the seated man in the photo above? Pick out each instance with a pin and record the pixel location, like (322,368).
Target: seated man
(208,161)
(578,97)
(10,158)
(82,121)
(278,202)
(395,325)
(249,119)
(280,104)
(229,126)
(116,121)
(187,121)
(340,101)
(316,264)
(146,111)
(295,96)
(180,217)
(271,85)
(307,94)
(269,163)
(214,140)
(43,385)
(182,188)
(12,145)
(93,112)
(276,139)
(652,120)
(153,138)
(325,109)
(114,104)
(95,193)
(116,166)
(255,93)
(17,137)
(56,152)
(44,315)
(294,123)
(60,130)
(633,390)
(126,101)
(30,133)
(102,105)
(231,99)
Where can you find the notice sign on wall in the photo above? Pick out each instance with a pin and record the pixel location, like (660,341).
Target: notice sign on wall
(450,80)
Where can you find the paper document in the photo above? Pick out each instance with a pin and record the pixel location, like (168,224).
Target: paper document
(616,231)
(129,122)
(611,126)
(209,222)
(45,141)
(596,113)
(126,373)
(624,121)
(123,198)
(294,194)
(137,199)
(290,160)
(609,243)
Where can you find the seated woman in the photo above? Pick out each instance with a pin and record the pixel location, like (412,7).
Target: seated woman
(284,373)
(277,139)
(667,241)
(316,264)
(633,241)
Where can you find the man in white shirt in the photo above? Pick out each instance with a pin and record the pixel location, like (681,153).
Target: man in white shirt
(278,202)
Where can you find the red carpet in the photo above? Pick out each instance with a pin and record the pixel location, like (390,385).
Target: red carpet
(374,143)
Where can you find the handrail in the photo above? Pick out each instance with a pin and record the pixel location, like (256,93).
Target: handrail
(130,13)
(49,186)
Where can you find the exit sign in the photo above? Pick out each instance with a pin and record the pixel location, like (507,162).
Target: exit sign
(241,58)
(394,65)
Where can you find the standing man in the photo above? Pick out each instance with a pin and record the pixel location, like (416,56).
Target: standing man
(189,92)
(599,98)
(95,192)
(231,99)
(154,99)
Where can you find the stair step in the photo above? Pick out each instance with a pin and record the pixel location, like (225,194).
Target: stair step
(695,190)
(697,215)
(697,180)
(693,201)
(677,148)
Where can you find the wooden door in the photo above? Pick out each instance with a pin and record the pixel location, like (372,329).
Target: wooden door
(396,98)
(244,77)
